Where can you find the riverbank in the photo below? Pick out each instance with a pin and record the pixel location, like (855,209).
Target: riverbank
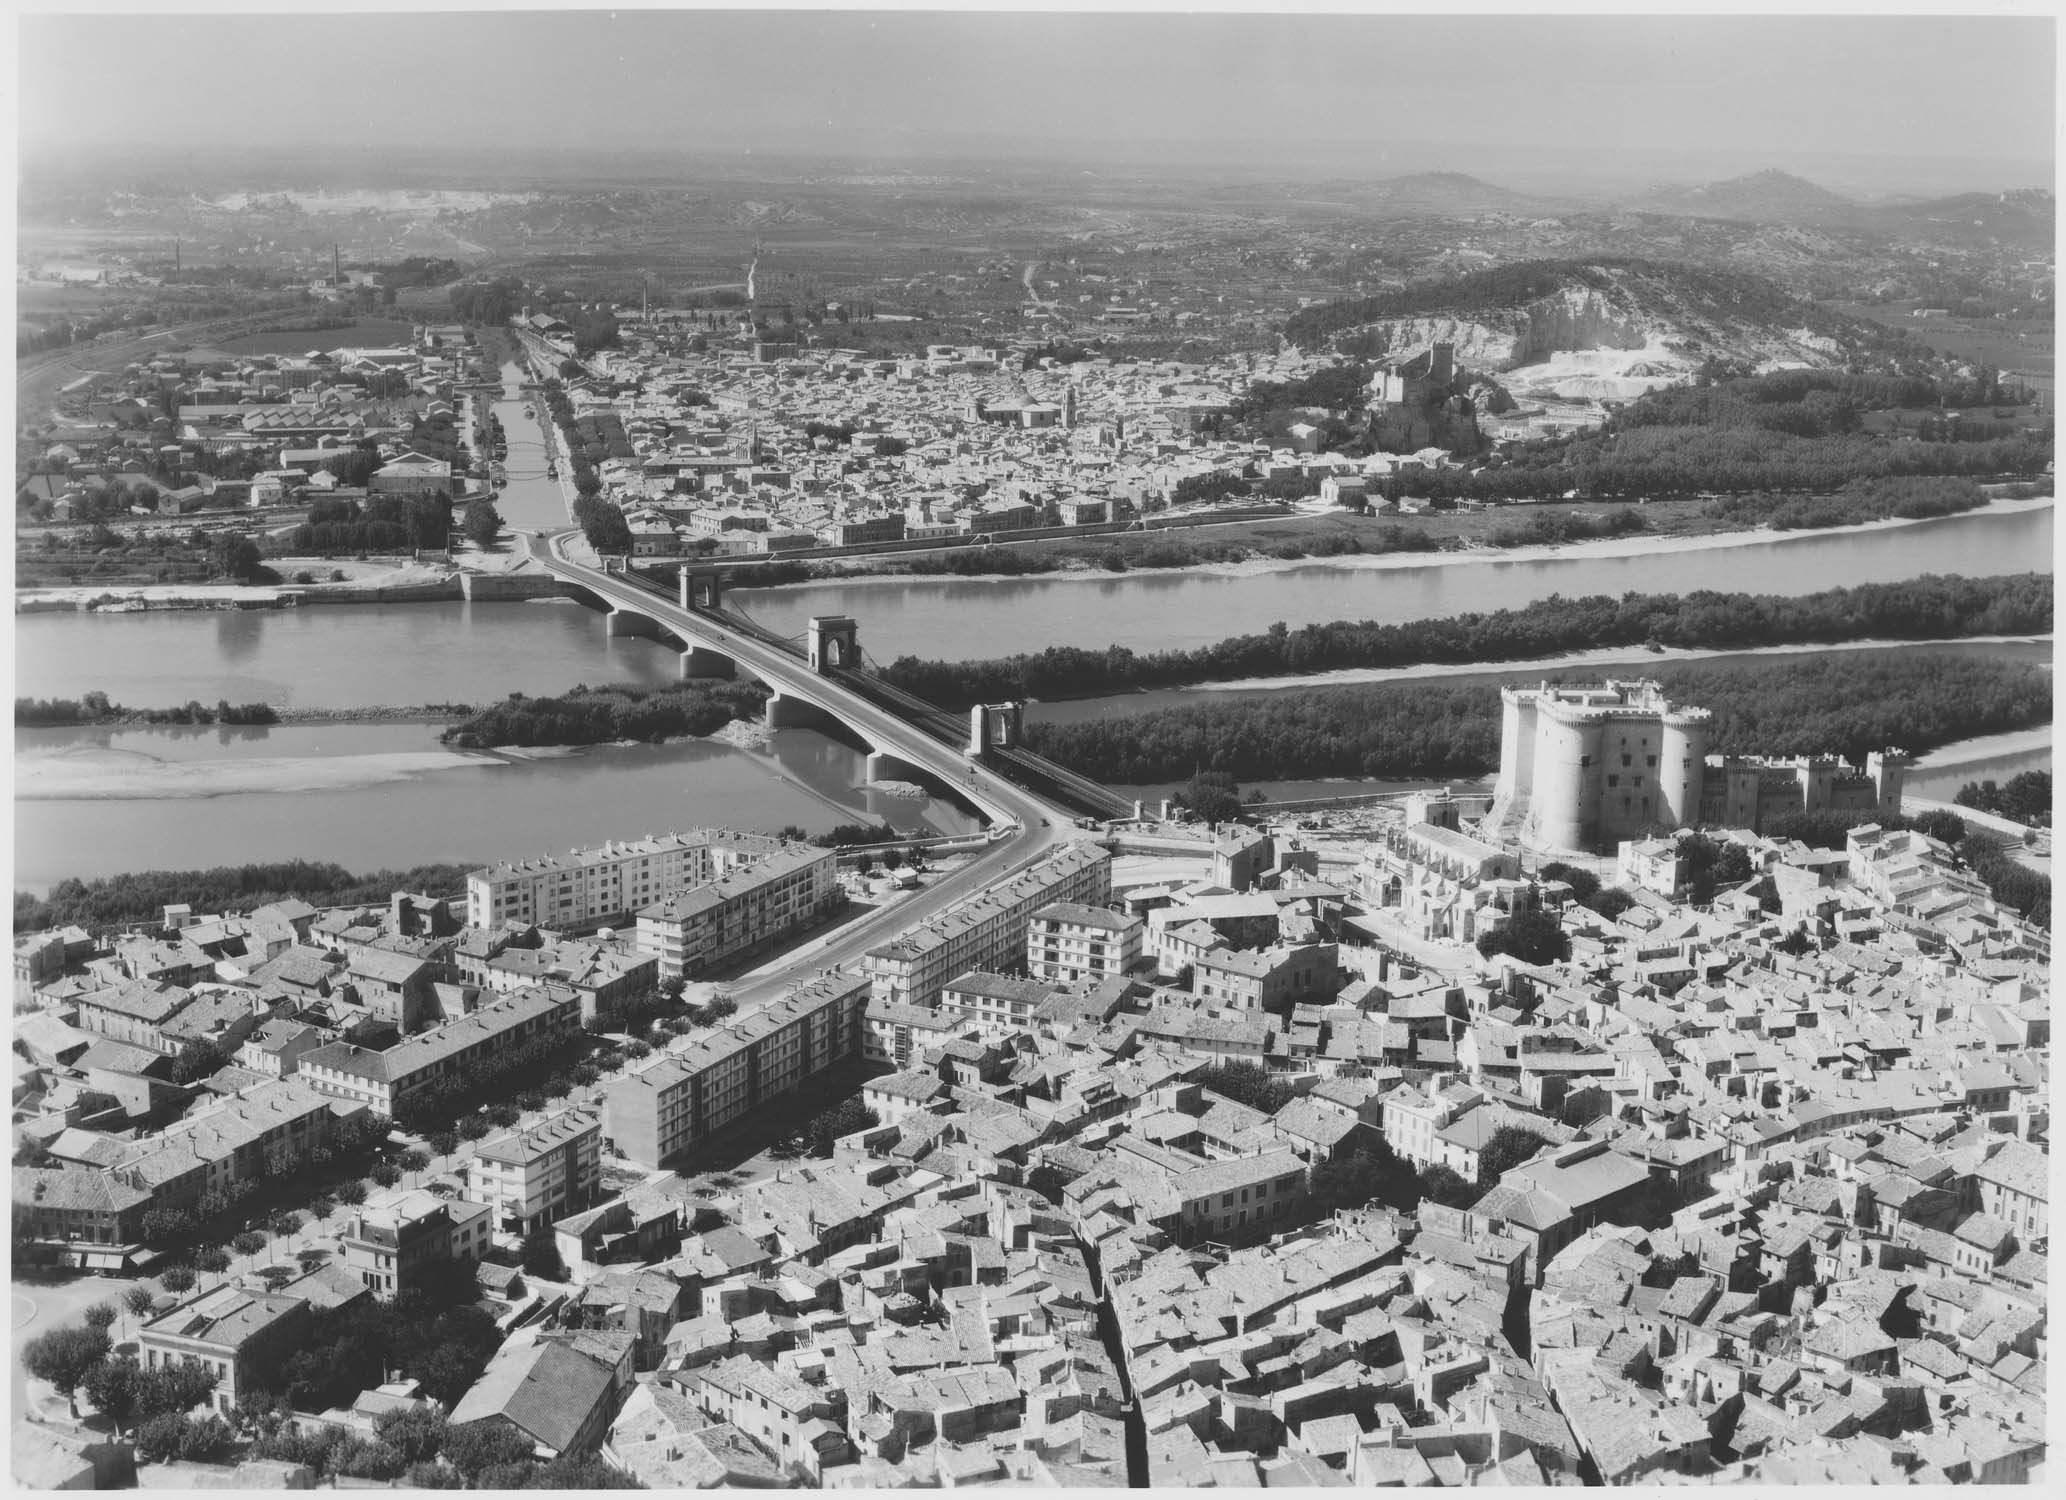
(1639,544)
(97,775)
(1578,660)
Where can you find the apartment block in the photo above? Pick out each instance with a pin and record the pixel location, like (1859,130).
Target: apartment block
(382,1080)
(609,880)
(736,914)
(529,1177)
(989,930)
(657,1113)
(1067,941)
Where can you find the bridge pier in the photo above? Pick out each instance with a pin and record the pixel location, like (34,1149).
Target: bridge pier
(630,622)
(882,766)
(787,711)
(701,661)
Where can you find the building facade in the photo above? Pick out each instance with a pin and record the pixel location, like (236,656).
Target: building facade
(1067,941)
(1589,767)
(657,1113)
(614,879)
(986,931)
(530,1177)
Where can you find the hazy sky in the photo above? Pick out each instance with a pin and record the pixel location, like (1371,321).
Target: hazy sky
(1771,87)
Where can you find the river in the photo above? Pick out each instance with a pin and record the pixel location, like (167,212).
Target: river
(960,619)
(369,796)
(400,802)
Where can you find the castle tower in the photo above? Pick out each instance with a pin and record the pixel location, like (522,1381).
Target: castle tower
(1682,765)
(1441,364)
(1069,407)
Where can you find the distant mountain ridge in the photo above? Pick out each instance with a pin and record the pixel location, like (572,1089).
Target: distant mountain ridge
(1770,196)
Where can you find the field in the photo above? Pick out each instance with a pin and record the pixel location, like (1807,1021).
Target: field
(2020,346)
(367,333)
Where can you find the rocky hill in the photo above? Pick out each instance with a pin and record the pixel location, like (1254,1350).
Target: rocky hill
(1664,314)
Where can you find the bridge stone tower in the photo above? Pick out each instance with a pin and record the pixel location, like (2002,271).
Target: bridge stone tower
(994,726)
(835,644)
(699,590)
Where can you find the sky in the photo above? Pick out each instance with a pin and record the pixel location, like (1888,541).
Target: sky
(1405,92)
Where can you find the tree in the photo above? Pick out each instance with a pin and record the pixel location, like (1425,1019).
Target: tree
(177,1279)
(414,1160)
(1213,795)
(1509,1146)
(1531,936)
(1945,827)
(352,1191)
(483,522)
(161,1222)
(63,1356)
(250,1242)
(1612,902)
(541,1255)
(843,1119)
(1445,1186)
(139,1300)
(1246,1083)
(1352,1181)
(200,1058)
(111,1385)
(235,555)
(102,1316)
(479,1446)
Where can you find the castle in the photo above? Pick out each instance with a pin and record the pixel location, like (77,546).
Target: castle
(1417,402)
(1586,767)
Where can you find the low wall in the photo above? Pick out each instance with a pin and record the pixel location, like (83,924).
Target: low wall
(484,586)
(443,591)
(1320,804)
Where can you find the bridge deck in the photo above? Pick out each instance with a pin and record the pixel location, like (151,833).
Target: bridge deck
(1034,773)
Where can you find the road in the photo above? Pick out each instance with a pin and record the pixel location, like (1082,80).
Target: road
(1034,827)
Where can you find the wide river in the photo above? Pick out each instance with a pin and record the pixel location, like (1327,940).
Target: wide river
(369,796)
(956,619)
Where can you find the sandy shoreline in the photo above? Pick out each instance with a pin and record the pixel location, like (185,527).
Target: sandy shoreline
(1521,667)
(1639,545)
(1986,747)
(98,779)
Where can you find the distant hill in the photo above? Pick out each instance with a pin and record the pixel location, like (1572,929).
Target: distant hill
(1445,193)
(1768,197)
(2025,219)
(1525,312)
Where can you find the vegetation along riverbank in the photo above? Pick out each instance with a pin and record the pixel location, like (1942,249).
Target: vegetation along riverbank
(1928,608)
(1442,730)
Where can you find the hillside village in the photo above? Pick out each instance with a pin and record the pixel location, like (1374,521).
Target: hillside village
(1277,1168)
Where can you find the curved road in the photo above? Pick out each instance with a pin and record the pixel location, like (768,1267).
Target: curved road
(1034,827)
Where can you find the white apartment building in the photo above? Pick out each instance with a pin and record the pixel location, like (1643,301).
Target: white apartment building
(1067,941)
(987,930)
(531,1177)
(751,908)
(610,879)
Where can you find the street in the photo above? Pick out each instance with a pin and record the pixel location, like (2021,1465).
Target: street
(1037,828)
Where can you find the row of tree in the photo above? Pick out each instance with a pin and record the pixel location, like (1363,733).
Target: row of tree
(1928,608)
(94,708)
(2026,797)
(114,901)
(1847,703)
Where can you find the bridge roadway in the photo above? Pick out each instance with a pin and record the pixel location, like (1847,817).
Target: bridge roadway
(1024,827)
